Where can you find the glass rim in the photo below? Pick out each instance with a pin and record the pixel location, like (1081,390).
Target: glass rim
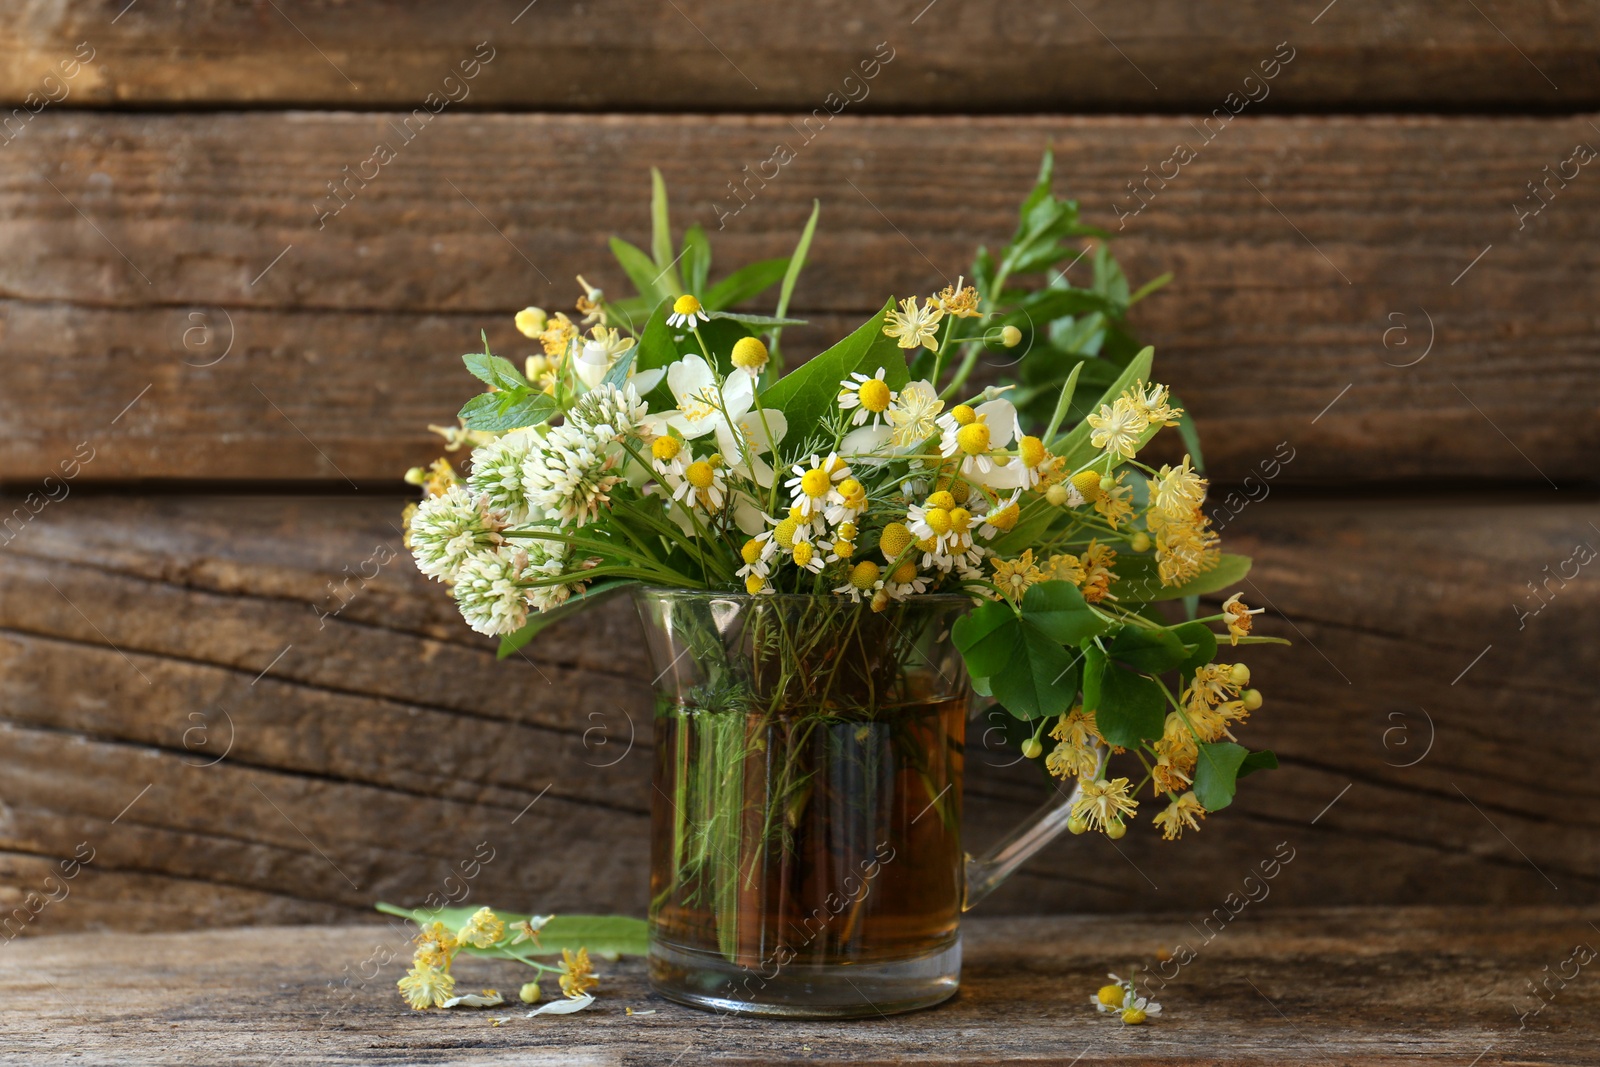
(661,591)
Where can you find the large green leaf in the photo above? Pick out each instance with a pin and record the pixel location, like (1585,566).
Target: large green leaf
(986,636)
(508,410)
(1138,579)
(641,270)
(808,393)
(1215,773)
(1132,708)
(661,234)
(602,935)
(1258,761)
(1145,650)
(1042,677)
(1058,610)
(696,259)
(1094,670)
(492,370)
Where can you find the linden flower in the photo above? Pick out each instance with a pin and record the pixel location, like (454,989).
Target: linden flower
(1183,813)
(1115,503)
(589,304)
(558,334)
(435,478)
(1014,577)
(1238,613)
(483,929)
(528,929)
(914,414)
(435,946)
(577,974)
(1177,491)
(1118,427)
(1152,400)
(594,359)
(687,312)
(426,986)
(1078,754)
(911,326)
(958,301)
(868,397)
(1103,804)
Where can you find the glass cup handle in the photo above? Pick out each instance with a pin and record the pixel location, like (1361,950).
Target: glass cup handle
(985,873)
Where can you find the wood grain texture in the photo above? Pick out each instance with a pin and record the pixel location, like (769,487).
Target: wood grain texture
(715,55)
(1315,260)
(1363,987)
(179,696)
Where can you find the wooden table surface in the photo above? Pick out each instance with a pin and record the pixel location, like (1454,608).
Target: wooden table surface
(1334,986)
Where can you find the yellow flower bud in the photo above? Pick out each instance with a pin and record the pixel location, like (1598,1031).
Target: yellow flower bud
(1057,495)
(1140,542)
(749,353)
(750,551)
(1251,699)
(803,551)
(754,583)
(1031,748)
(1077,824)
(964,415)
(1107,483)
(874,395)
(960,519)
(1031,449)
(416,475)
(942,499)
(531,321)
(973,438)
(1239,674)
(686,304)
(1010,336)
(784,532)
(1109,995)
(847,531)
(1116,829)
(904,573)
(666,448)
(844,549)
(864,575)
(530,993)
(1088,483)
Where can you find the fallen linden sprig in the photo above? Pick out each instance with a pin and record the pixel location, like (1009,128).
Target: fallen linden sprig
(429,983)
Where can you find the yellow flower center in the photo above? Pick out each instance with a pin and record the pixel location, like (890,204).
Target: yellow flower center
(958,490)
(942,500)
(1088,483)
(960,519)
(927,544)
(751,551)
(864,575)
(843,548)
(847,531)
(749,353)
(699,474)
(905,572)
(964,415)
(1109,995)
(803,553)
(938,520)
(973,438)
(1005,518)
(1031,449)
(783,533)
(894,540)
(686,304)
(874,394)
(666,448)
(850,489)
(1133,1016)
(815,482)
(754,584)
(795,513)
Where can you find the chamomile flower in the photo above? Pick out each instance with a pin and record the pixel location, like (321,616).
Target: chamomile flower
(1001,517)
(914,414)
(806,555)
(812,486)
(866,579)
(1034,459)
(687,312)
(1122,1000)
(975,433)
(846,503)
(487,592)
(868,397)
(669,456)
(911,326)
(757,554)
(904,581)
(704,485)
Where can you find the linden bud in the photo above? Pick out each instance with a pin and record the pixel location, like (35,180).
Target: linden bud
(1239,674)
(1077,824)
(1010,336)
(1031,748)
(1140,542)
(416,475)
(1116,829)
(1251,699)
(530,993)
(1107,483)
(1056,494)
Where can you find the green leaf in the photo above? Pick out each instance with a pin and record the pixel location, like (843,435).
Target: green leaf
(618,374)
(1258,761)
(1064,402)
(1094,670)
(756,320)
(1058,610)
(1075,445)
(605,587)
(1132,708)
(1149,287)
(808,393)
(797,261)
(661,234)
(1215,773)
(745,283)
(1202,645)
(1146,651)
(1190,435)
(513,409)
(491,369)
(1041,679)
(602,935)
(644,274)
(1138,579)
(696,258)
(987,637)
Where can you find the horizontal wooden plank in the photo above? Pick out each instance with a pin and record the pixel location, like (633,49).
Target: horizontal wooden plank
(1357,288)
(231,695)
(1361,987)
(715,55)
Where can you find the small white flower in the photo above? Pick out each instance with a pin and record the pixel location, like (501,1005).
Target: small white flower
(449,528)
(497,473)
(686,313)
(487,592)
(813,486)
(868,397)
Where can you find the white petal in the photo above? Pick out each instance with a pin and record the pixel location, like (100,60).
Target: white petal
(738,392)
(689,377)
(563,1007)
(748,517)
(474,1000)
(1006,474)
(1001,415)
(864,440)
(646,380)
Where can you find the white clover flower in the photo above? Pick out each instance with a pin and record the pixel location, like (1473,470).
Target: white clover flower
(570,477)
(609,412)
(449,528)
(497,473)
(547,559)
(487,592)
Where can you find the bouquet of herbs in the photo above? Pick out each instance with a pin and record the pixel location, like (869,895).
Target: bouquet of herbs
(657,440)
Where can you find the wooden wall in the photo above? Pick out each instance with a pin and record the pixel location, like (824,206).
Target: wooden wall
(231,375)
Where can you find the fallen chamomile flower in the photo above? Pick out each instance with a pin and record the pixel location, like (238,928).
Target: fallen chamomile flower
(1120,999)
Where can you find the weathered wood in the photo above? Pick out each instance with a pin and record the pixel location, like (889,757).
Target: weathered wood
(343,349)
(1355,986)
(299,767)
(721,55)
